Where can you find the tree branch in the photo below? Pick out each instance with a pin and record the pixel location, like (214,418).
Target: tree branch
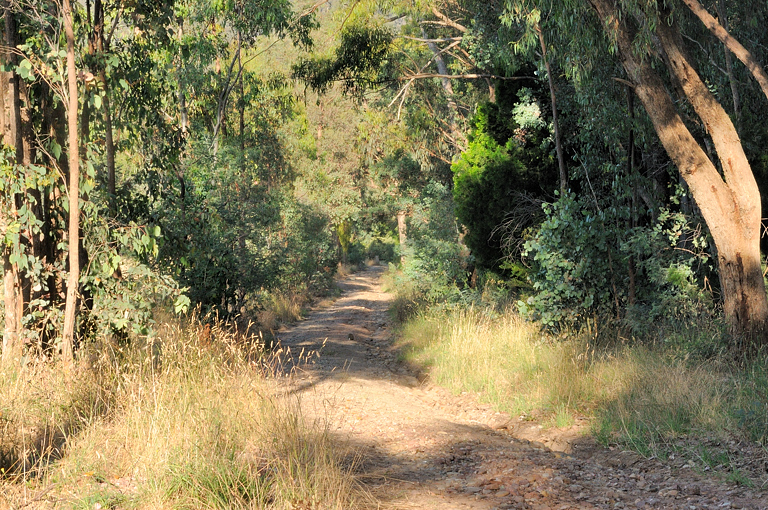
(730,42)
(421,39)
(469,76)
(447,21)
(108,40)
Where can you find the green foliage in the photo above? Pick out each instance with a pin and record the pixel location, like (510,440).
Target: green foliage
(673,255)
(571,273)
(381,248)
(504,160)
(123,281)
(222,250)
(22,223)
(433,254)
(344,234)
(357,61)
(579,267)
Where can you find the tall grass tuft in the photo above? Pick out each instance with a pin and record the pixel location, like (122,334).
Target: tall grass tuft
(280,308)
(188,420)
(665,399)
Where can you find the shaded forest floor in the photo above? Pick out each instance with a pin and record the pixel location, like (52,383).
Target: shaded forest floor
(415,445)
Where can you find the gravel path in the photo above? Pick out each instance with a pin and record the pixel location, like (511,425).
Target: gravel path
(421,447)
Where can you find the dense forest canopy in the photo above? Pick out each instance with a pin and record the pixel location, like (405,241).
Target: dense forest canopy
(591,158)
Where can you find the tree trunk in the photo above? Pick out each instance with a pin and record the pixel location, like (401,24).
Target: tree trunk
(182,93)
(67,345)
(109,144)
(730,206)
(491,90)
(555,123)
(12,137)
(632,221)
(241,106)
(453,108)
(402,234)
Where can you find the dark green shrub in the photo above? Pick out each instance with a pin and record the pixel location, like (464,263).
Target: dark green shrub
(497,167)
(579,267)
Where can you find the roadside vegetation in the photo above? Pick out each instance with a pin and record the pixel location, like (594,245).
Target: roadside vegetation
(525,165)
(192,419)
(659,395)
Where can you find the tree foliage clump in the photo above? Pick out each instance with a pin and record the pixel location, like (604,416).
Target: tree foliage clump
(585,263)
(357,62)
(508,156)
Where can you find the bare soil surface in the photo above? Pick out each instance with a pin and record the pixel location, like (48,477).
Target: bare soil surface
(418,446)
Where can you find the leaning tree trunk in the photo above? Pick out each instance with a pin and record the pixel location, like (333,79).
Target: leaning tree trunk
(718,30)
(730,204)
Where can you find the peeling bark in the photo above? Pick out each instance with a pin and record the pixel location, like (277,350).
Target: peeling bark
(12,136)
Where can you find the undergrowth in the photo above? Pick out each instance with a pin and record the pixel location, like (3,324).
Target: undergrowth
(187,420)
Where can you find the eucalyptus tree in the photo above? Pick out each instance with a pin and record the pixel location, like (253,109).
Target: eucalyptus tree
(47,178)
(35,167)
(713,164)
(12,138)
(214,40)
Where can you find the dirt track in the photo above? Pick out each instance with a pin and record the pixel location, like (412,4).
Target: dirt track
(421,447)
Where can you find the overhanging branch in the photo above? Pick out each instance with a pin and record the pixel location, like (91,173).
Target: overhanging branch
(469,76)
(422,39)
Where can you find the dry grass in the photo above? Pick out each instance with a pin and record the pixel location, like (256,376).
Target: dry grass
(344,270)
(189,420)
(407,299)
(507,362)
(667,398)
(641,398)
(281,308)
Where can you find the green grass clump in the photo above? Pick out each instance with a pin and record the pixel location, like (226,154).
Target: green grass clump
(189,420)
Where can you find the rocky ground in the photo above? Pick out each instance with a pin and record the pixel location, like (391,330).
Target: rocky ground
(418,446)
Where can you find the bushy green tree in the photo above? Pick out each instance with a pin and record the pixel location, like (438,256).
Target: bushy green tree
(509,155)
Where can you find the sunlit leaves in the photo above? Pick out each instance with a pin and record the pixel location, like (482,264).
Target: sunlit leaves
(356,64)
(25,70)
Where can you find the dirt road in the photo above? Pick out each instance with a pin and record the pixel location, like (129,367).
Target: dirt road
(421,447)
